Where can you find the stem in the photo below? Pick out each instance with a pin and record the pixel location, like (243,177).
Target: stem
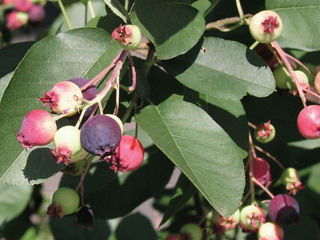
(270,156)
(116,109)
(253,46)
(65,15)
(223,23)
(126,5)
(134,75)
(81,181)
(250,124)
(252,155)
(263,187)
(286,62)
(91,9)
(240,10)
(299,63)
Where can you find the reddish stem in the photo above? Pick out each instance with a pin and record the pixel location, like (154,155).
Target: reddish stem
(263,187)
(300,63)
(134,75)
(269,156)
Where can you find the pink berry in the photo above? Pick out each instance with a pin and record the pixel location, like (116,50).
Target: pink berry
(37,129)
(8,2)
(129,36)
(283,209)
(261,171)
(23,5)
(270,231)
(15,20)
(128,155)
(64,97)
(308,121)
(36,13)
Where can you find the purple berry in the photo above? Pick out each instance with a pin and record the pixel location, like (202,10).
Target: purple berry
(85,218)
(100,136)
(36,13)
(284,209)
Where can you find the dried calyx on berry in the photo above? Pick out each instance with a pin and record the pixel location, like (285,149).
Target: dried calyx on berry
(270,231)
(308,121)
(65,97)
(65,201)
(37,129)
(68,145)
(100,135)
(290,178)
(128,155)
(191,231)
(265,132)
(266,26)
(284,209)
(85,218)
(261,171)
(252,217)
(226,223)
(129,36)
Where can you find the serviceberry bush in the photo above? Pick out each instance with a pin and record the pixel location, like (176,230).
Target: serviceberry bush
(209,109)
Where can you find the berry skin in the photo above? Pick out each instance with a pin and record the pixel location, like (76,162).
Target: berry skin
(37,129)
(290,178)
(270,231)
(65,201)
(261,171)
(64,97)
(303,78)
(36,13)
(128,155)
(252,217)
(118,120)
(175,237)
(129,36)
(265,132)
(266,26)
(281,75)
(283,209)
(85,218)
(23,5)
(8,2)
(317,82)
(100,136)
(15,20)
(191,231)
(68,146)
(308,121)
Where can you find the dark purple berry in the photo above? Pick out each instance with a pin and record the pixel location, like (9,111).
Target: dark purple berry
(100,136)
(90,93)
(85,218)
(284,209)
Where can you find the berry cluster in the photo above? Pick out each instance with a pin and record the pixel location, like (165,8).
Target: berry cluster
(20,12)
(100,135)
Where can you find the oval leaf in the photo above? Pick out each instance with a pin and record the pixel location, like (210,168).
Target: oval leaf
(200,148)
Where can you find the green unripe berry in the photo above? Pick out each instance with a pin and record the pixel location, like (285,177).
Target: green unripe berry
(265,132)
(282,77)
(129,36)
(252,217)
(266,26)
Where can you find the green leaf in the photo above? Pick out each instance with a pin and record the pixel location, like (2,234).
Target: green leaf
(13,200)
(200,148)
(135,227)
(301,30)
(172,27)
(81,52)
(117,8)
(184,190)
(66,229)
(224,70)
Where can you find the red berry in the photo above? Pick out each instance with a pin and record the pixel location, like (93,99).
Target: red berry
(36,13)
(64,97)
(270,231)
(23,5)
(128,155)
(261,171)
(37,129)
(284,209)
(129,36)
(308,121)
(15,20)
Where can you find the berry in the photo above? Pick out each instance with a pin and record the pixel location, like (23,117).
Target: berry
(290,178)
(175,237)
(15,20)
(36,13)
(282,77)
(128,155)
(266,26)
(265,132)
(85,218)
(252,217)
(65,201)
(261,171)
(23,5)
(118,120)
(8,2)
(283,209)
(303,78)
(100,136)
(308,121)
(270,231)
(229,222)
(191,231)
(64,97)
(129,36)
(317,82)
(37,129)
(68,146)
